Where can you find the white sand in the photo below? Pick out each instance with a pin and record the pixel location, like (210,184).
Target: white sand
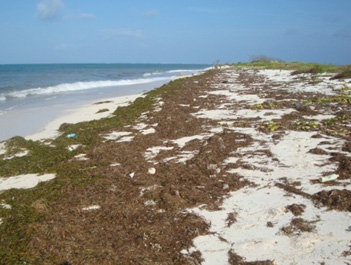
(85,113)
(319,117)
(181,157)
(148,131)
(24,181)
(224,114)
(254,206)
(2,148)
(250,237)
(181,142)
(325,86)
(238,96)
(125,139)
(81,157)
(21,153)
(152,152)
(92,208)
(113,136)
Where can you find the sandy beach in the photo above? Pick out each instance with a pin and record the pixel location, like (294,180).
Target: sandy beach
(36,114)
(98,110)
(229,167)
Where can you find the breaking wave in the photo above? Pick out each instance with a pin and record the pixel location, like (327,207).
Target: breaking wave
(71,87)
(182,71)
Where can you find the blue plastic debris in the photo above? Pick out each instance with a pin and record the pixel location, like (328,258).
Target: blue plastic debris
(71,135)
(298,106)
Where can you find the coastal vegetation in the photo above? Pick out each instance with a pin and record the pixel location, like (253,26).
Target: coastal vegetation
(264,62)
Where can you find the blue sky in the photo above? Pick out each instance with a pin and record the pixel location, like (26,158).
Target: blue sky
(182,31)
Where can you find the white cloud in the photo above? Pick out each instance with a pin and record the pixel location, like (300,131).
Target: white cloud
(113,33)
(49,9)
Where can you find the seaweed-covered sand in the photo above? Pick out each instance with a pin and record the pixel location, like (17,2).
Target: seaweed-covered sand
(225,168)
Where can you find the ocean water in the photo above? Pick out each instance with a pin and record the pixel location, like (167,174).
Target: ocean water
(33,95)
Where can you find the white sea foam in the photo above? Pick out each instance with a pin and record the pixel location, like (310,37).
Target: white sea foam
(70,87)
(151,74)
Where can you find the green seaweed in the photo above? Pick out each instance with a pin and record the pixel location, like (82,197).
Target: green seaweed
(343,97)
(306,125)
(55,157)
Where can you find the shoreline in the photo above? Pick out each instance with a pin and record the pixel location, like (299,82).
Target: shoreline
(87,112)
(221,168)
(33,119)
(31,116)
(102,108)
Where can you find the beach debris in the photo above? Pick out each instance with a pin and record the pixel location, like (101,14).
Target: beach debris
(269,224)
(212,167)
(103,102)
(5,206)
(329,178)
(181,158)
(131,175)
(150,203)
(113,136)
(81,157)
(298,106)
(71,135)
(73,147)
(296,209)
(150,188)
(115,165)
(152,170)
(91,208)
